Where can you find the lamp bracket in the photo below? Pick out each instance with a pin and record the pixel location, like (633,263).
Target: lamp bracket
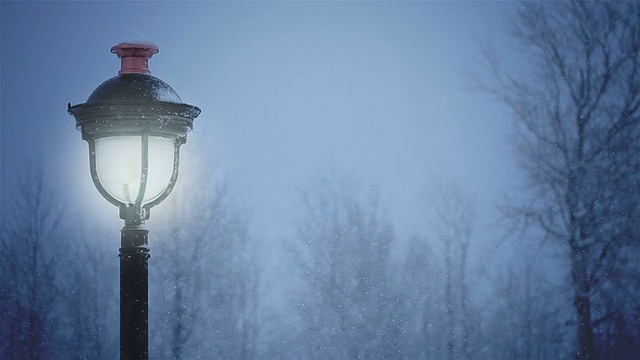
(134,215)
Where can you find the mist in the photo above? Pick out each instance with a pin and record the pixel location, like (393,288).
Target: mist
(397,180)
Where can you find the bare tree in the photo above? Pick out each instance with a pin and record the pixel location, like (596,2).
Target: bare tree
(51,304)
(342,246)
(452,218)
(28,269)
(89,291)
(575,96)
(419,292)
(208,270)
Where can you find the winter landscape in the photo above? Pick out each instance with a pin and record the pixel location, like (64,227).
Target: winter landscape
(367,180)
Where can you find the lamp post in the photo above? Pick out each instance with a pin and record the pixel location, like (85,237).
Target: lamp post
(134,124)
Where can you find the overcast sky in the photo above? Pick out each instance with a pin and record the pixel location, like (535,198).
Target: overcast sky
(372,90)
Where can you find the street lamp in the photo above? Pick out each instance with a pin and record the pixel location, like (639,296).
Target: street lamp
(134,124)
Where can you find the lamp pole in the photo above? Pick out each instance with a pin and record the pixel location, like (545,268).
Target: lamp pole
(134,293)
(134,124)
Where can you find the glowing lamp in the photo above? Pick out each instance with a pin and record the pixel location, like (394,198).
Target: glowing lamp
(134,124)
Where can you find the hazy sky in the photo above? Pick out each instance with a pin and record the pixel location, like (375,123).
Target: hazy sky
(372,90)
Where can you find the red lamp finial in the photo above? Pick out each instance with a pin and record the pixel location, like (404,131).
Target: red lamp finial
(135,53)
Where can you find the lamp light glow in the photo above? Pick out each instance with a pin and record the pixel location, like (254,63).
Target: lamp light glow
(119,162)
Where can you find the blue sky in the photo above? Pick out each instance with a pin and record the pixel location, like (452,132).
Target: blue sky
(372,90)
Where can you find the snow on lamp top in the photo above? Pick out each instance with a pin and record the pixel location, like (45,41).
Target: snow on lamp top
(135,52)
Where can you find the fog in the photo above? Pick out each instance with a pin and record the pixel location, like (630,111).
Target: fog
(364,181)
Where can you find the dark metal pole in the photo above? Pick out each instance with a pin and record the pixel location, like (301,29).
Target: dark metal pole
(134,293)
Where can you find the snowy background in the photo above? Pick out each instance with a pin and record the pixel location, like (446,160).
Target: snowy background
(347,191)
